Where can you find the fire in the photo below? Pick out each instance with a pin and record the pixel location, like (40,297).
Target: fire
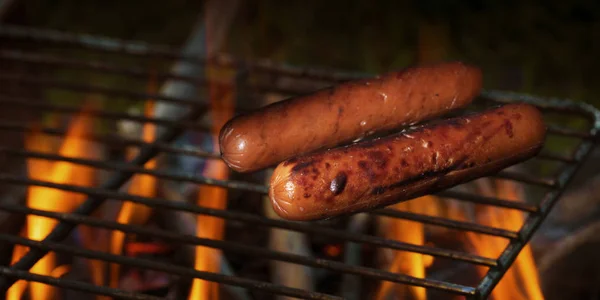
(207,259)
(16,291)
(521,280)
(409,263)
(141,185)
(48,199)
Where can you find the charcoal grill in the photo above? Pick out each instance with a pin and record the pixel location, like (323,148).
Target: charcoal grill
(21,48)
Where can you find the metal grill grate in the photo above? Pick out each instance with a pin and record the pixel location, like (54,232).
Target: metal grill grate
(44,51)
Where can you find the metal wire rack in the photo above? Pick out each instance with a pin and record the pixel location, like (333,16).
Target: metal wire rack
(44,51)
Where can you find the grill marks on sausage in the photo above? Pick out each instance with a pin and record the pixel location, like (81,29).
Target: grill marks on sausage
(336,127)
(309,170)
(315,173)
(374,164)
(458,165)
(467,144)
(378,158)
(363,165)
(303,165)
(367,170)
(509,128)
(290,161)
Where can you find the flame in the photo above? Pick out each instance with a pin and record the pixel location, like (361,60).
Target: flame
(411,232)
(207,259)
(15,292)
(521,280)
(48,199)
(141,185)
(60,271)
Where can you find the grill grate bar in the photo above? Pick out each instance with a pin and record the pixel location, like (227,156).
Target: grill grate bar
(141,49)
(47,246)
(111,139)
(238,216)
(249,250)
(84,88)
(28,103)
(527,178)
(124,167)
(569,132)
(75,285)
(29,81)
(98,66)
(488,200)
(49,61)
(546,104)
(448,223)
(62,230)
(557,157)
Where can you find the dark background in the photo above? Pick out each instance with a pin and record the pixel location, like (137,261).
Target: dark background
(543,47)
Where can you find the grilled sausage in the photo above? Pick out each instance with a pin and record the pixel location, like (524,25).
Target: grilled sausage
(341,114)
(406,165)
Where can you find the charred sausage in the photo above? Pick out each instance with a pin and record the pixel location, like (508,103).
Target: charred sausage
(406,165)
(344,113)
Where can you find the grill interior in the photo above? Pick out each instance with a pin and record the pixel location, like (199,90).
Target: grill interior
(45,70)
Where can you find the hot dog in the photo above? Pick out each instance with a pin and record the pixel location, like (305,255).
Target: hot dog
(406,165)
(341,114)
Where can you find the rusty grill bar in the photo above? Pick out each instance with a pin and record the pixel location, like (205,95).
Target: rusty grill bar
(14,50)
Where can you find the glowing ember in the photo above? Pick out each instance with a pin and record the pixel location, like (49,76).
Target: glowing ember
(48,199)
(207,259)
(333,250)
(135,249)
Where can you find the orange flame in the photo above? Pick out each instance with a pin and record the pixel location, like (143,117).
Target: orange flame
(48,199)
(207,259)
(521,280)
(409,263)
(141,185)
(15,292)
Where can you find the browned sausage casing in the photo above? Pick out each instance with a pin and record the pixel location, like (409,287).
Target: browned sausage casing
(407,165)
(341,114)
